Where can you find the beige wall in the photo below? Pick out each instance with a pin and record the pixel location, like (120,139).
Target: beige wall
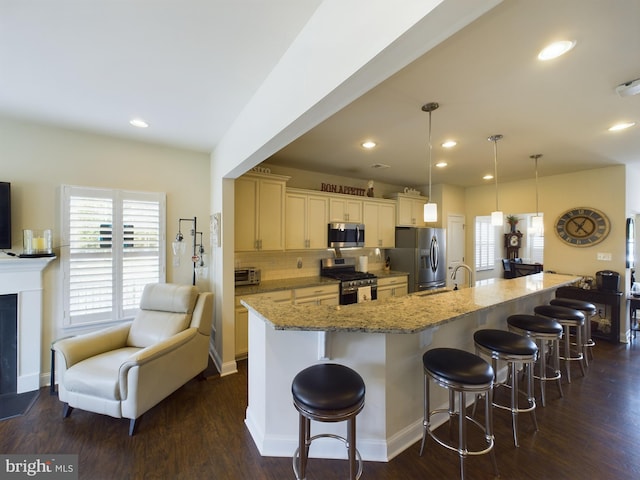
(603,189)
(38,159)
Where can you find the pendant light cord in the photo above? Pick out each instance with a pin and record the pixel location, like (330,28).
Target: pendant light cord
(495,167)
(430,107)
(535,158)
(494,139)
(430,152)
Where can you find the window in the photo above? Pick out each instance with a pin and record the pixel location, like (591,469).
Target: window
(485,244)
(536,247)
(113,246)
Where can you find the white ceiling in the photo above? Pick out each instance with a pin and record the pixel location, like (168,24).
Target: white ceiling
(190,67)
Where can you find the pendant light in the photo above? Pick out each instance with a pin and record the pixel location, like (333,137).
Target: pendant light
(430,208)
(497,217)
(537,222)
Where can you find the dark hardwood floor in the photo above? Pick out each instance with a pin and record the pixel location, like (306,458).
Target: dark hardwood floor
(198,433)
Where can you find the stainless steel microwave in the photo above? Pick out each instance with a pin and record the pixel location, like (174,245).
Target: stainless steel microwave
(342,235)
(247,276)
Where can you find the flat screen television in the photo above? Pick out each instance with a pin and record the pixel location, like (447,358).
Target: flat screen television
(5,215)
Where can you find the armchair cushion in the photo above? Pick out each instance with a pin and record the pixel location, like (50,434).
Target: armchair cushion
(165,310)
(99,375)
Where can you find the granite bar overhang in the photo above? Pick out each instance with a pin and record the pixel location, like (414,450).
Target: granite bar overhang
(408,314)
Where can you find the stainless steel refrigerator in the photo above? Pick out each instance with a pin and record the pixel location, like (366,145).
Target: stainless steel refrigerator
(422,253)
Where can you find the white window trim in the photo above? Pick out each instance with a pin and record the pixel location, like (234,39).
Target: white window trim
(117,314)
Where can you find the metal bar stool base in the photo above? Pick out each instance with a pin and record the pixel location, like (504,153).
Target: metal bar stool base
(296,454)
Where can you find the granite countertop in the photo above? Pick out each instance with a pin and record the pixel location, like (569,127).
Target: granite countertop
(285,284)
(407,314)
(300,282)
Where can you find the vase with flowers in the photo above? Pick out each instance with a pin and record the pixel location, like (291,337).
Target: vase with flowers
(512,220)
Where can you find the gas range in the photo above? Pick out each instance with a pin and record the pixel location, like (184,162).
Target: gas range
(351,280)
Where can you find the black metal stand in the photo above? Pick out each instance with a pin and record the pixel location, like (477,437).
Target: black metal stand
(198,248)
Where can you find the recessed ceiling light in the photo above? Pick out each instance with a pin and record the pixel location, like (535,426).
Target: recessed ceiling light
(368,144)
(449,144)
(556,49)
(380,165)
(621,126)
(441,164)
(138,122)
(488,177)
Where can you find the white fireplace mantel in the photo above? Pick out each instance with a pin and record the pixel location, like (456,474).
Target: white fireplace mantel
(23,276)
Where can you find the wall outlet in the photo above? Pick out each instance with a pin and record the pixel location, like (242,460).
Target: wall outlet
(603,256)
(299,262)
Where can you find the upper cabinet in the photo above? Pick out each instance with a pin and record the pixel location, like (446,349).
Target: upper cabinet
(307,216)
(410,209)
(345,209)
(260,212)
(379,218)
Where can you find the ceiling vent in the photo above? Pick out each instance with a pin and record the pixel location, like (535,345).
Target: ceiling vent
(629,88)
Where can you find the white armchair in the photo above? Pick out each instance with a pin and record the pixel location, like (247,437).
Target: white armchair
(125,370)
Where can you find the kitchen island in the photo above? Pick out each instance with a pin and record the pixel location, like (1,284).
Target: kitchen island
(382,340)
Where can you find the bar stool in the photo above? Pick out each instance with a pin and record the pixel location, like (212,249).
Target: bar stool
(589,310)
(568,318)
(459,372)
(514,349)
(327,392)
(546,333)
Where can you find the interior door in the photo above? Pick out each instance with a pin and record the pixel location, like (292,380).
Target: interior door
(455,248)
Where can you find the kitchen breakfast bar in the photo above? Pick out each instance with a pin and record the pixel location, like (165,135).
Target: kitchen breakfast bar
(382,340)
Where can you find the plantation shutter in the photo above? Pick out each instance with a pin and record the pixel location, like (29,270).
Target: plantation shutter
(485,244)
(113,246)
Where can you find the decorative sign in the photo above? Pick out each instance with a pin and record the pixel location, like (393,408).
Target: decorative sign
(331,188)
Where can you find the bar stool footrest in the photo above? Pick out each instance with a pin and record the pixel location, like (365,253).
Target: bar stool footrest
(296,454)
(455,448)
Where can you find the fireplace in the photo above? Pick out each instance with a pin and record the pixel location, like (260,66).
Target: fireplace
(21,317)
(8,343)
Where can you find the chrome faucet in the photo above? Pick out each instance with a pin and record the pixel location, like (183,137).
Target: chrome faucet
(467,268)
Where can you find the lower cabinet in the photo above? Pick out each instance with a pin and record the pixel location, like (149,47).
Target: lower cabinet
(242,318)
(325,295)
(392,287)
(320,295)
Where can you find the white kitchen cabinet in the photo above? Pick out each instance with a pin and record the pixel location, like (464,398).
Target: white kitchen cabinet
(306,220)
(321,295)
(345,209)
(379,218)
(392,286)
(242,316)
(409,210)
(260,212)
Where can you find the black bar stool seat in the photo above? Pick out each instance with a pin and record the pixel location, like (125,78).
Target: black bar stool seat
(544,331)
(589,310)
(568,318)
(327,392)
(459,372)
(513,349)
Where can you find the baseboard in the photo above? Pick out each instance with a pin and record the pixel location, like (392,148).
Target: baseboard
(227,368)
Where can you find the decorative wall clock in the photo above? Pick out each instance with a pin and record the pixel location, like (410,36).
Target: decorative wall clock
(582,227)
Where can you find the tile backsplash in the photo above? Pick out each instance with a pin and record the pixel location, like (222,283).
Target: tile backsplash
(276,265)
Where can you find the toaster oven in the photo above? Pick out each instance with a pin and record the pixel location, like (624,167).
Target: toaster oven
(247,276)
